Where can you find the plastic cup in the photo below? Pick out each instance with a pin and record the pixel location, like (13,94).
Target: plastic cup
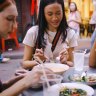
(78,56)
(52,80)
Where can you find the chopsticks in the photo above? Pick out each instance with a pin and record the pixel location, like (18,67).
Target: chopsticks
(44,73)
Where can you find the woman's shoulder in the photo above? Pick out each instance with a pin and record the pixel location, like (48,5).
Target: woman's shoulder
(33,30)
(77,12)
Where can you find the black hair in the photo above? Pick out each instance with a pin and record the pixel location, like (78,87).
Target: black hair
(75,6)
(41,42)
(2,1)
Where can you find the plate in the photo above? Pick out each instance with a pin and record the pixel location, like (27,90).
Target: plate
(88,89)
(89,79)
(57,68)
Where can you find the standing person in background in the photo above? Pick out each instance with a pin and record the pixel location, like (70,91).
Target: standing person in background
(74,18)
(51,37)
(93,21)
(13,87)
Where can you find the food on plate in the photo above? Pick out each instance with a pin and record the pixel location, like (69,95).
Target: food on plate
(64,91)
(90,78)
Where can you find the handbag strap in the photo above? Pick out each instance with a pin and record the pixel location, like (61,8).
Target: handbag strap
(55,40)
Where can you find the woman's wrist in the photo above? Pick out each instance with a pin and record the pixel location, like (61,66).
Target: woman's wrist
(38,60)
(28,81)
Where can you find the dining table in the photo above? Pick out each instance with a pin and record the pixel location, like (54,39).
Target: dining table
(69,72)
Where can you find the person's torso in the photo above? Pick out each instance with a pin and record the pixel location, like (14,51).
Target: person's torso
(74,25)
(69,42)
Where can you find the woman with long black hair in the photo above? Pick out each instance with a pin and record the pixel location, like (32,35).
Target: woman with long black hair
(51,37)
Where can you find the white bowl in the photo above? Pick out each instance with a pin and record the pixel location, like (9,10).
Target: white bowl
(57,68)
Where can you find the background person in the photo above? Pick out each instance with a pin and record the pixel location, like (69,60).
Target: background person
(74,18)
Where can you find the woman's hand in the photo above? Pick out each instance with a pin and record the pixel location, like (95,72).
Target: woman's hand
(39,53)
(33,75)
(63,56)
(36,73)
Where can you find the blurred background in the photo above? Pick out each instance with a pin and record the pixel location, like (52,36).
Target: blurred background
(28,13)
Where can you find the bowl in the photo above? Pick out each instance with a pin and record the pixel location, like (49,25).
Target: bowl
(57,68)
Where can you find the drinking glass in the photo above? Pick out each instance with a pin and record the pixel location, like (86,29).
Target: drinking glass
(52,79)
(78,56)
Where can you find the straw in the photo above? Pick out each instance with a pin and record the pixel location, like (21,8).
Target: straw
(41,63)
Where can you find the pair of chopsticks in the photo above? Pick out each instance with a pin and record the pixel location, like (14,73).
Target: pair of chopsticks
(44,73)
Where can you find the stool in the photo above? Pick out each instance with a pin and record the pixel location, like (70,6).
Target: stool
(11,36)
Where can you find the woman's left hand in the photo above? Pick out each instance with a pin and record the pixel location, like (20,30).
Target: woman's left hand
(64,56)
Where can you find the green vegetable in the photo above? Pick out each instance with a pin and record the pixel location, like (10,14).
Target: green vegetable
(69,92)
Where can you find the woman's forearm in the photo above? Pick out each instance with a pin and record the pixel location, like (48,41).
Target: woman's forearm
(77,21)
(18,87)
(70,50)
(11,82)
(92,57)
(28,64)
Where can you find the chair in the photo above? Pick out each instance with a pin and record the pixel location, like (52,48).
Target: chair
(11,36)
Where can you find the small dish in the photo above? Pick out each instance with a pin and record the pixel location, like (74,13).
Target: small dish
(89,79)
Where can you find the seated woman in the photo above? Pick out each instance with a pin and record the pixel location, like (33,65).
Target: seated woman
(16,85)
(51,37)
(92,58)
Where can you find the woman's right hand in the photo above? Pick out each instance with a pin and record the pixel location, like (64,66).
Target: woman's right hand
(40,54)
(36,73)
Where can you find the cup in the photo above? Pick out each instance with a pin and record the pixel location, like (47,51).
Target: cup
(78,56)
(52,79)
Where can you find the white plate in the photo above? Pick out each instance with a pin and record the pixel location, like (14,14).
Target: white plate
(87,81)
(57,67)
(88,89)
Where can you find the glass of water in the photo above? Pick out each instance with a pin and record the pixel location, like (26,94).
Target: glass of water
(52,80)
(78,56)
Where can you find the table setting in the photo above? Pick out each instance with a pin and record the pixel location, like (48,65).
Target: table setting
(79,80)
